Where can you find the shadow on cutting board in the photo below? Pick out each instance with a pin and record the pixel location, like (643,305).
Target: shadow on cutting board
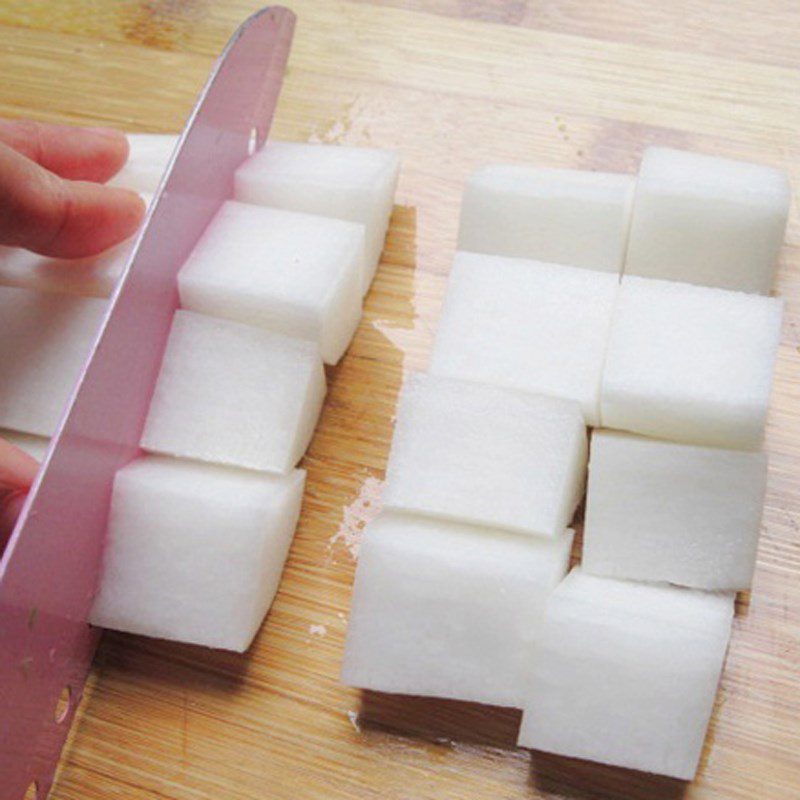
(454,723)
(440,721)
(574,779)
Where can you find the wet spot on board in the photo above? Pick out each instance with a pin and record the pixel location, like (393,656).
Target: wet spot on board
(618,146)
(164,24)
(356,515)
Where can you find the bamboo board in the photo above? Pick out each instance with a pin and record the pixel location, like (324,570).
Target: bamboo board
(451,84)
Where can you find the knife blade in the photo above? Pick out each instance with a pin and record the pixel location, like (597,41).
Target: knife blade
(51,566)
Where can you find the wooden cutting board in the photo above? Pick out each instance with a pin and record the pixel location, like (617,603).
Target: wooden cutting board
(451,84)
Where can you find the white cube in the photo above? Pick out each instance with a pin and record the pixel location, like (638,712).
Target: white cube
(293,273)
(232,394)
(707,220)
(195,552)
(34,446)
(148,156)
(659,511)
(690,363)
(44,341)
(625,673)
(447,610)
(92,276)
(486,455)
(542,328)
(352,183)
(563,216)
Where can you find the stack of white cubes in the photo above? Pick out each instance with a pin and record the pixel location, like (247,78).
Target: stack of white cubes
(583,299)
(200,526)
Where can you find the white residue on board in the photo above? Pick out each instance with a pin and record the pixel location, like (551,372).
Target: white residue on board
(353,717)
(317,630)
(356,516)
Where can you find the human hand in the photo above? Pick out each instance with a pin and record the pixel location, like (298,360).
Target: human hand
(53,202)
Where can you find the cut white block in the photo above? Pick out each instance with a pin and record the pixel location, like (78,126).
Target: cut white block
(707,220)
(486,455)
(690,363)
(294,273)
(625,673)
(538,327)
(194,552)
(447,610)
(352,183)
(659,511)
(93,276)
(232,394)
(34,446)
(562,216)
(44,340)
(148,156)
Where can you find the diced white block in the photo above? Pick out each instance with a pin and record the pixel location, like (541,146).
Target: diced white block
(625,673)
(148,156)
(34,446)
(93,276)
(44,340)
(707,220)
(562,216)
(542,328)
(486,455)
(294,273)
(195,552)
(232,394)
(659,511)
(690,363)
(352,183)
(447,610)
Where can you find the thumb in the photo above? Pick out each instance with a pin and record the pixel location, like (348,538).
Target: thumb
(17,472)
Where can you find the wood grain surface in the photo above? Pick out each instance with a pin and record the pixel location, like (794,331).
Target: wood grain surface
(451,84)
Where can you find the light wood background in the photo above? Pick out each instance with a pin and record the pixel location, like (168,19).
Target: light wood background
(451,84)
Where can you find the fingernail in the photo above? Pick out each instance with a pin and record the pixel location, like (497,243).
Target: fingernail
(111,133)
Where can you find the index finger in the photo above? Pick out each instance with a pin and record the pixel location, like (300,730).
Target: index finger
(85,154)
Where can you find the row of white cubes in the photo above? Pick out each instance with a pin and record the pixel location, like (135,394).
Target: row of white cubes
(448,601)
(195,550)
(661,358)
(498,458)
(685,217)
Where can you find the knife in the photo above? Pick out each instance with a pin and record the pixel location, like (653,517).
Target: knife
(51,565)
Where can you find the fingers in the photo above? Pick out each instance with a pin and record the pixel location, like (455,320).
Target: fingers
(85,154)
(10,507)
(17,471)
(57,217)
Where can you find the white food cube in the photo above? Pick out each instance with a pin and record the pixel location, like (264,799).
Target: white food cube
(92,276)
(707,220)
(625,673)
(447,610)
(34,446)
(563,216)
(541,328)
(690,363)
(352,183)
(232,394)
(294,273)
(148,156)
(660,511)
(44,341)
(195,552)
(486,455)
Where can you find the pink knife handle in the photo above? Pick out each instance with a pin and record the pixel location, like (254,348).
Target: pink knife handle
(51,565)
